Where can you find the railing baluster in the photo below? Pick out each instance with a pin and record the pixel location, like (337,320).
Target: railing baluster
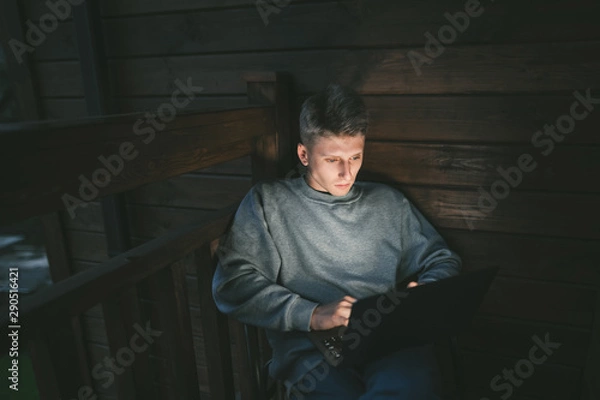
(216,330)
(176,326)
(117,335)
(45,375)
(57,351)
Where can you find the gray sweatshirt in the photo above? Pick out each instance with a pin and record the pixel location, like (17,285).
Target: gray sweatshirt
(291,248)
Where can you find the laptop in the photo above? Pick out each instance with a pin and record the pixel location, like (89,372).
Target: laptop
(402,318)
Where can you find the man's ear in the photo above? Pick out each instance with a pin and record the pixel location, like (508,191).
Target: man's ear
(303,154)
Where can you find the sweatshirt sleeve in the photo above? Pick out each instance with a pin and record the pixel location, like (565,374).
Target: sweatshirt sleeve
(426,253)
(245,282)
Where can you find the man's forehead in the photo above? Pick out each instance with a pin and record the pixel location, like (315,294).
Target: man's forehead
(339,145)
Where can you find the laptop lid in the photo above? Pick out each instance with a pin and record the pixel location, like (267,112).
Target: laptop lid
(388,322)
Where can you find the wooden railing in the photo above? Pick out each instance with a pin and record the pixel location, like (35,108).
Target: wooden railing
(43,165)
(41,162)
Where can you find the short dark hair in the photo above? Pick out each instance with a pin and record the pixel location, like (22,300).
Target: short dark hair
(336,111)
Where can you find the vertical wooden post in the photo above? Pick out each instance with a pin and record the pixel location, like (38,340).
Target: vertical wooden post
(70,362)
(274,154)
(123,312)
(590,383)
(272,158)
(46,380)
(176,325)
(59,350)
(215,329)
(18,64)
(60,268)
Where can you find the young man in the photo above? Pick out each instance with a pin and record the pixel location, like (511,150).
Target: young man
(301,251)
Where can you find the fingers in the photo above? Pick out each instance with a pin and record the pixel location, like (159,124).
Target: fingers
(412,284)
(343,310)
(333,314)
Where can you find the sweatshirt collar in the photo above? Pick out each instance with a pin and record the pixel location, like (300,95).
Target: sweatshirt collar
(327,198)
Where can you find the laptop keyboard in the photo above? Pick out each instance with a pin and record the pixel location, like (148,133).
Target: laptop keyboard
(333,344)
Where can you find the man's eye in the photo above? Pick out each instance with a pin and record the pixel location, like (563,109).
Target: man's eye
(330,160)
(356,158)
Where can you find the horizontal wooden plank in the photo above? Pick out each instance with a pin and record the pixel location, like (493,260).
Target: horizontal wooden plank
(60,44)
(546,382)
(525,256)
(144,221)
(57,108)
(538,257)
(151,222)
(377,23)
(522,213)
(190,143)
(200,103)
(70,108)
(242,167)
(88,219)
(513,338)
(493,68)
(87,246)
(183,191)
(502,68)
(475,394)
(566,168)
(540,301)
(116,7)
(474,119)
(82,265)
(519,212)
(122,126)
(381,23)
(34,9)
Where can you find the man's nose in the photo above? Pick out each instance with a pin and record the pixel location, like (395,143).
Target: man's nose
(346,170)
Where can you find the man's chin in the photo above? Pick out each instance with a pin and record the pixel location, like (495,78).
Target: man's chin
(340,190)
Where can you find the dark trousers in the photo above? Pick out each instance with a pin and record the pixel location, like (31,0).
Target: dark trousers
(410,374)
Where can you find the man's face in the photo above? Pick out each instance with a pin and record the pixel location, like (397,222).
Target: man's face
(333,162)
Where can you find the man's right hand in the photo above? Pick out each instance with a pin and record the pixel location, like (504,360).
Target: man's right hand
(327,316)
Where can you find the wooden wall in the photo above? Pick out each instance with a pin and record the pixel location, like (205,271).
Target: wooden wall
(439,135)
